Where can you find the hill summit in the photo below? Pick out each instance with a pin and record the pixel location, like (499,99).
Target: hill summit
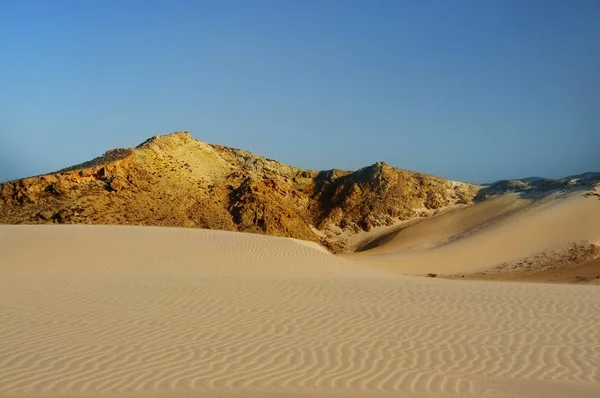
(176,180)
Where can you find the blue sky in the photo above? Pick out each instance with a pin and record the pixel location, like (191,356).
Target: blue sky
(469,90)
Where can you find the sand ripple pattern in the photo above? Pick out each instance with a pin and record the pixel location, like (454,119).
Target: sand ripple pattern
(153,329)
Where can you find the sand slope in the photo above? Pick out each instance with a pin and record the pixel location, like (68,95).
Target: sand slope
(137,311)
(475,238)
(429,233)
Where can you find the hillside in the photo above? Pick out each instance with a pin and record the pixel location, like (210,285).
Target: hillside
(538,186)
(176,180)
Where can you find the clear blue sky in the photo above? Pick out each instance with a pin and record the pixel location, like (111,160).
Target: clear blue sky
(469,90)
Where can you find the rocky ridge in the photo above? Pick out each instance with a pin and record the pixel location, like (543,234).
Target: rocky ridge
(536,186)
(176,180)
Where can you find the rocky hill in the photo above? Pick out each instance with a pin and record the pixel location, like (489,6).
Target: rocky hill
(175,180)
(536,186)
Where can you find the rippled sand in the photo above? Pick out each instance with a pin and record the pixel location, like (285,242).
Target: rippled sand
(140,311)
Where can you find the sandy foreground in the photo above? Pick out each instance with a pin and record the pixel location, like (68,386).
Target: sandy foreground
(108,311)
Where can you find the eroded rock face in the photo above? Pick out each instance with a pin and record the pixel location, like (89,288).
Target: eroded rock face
(380,195)
(175,180)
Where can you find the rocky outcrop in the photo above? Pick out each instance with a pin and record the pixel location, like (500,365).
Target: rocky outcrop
(175,180)
(380,195)
(567,255)
(540,186)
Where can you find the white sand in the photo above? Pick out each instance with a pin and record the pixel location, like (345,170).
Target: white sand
(135,312)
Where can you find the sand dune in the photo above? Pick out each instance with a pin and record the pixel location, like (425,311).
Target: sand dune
(476,238)
(429,233)
(135,311)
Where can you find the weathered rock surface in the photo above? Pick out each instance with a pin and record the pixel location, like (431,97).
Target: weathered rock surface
(175,180)
(590,182)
